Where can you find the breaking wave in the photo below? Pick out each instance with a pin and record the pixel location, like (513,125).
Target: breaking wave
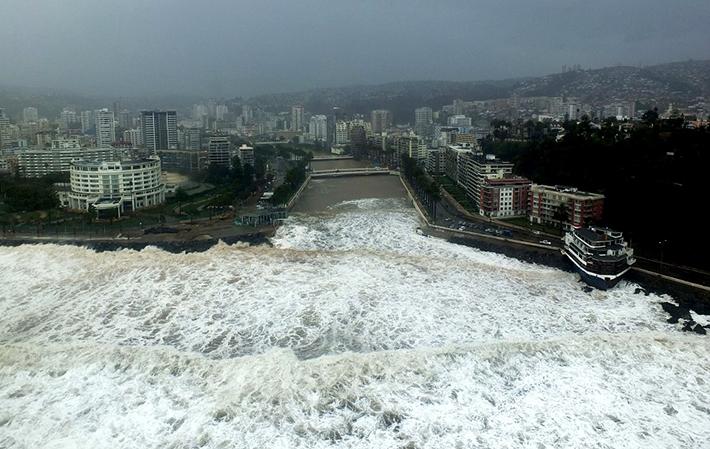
(352,330)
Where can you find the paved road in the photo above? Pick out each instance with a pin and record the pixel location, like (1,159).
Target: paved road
(448,216)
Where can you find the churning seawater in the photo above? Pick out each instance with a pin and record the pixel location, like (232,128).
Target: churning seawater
(351,331)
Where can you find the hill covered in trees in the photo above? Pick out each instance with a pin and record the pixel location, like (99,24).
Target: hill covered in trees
(653,178)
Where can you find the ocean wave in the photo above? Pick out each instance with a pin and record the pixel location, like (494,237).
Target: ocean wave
(587,391)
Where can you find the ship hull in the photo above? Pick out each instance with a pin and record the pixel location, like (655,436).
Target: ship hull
(594,280)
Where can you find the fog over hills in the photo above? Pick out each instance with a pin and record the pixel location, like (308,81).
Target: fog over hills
(660,84)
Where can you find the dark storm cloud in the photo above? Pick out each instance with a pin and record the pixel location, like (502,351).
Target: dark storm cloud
(229,48)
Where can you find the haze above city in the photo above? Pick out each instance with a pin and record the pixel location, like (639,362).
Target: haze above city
(224,48)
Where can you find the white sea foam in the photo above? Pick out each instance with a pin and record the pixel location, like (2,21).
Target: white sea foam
(353,330)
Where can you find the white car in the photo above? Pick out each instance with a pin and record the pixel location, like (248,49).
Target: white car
(546,242)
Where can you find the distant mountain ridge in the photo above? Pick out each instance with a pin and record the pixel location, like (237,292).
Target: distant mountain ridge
(657,84)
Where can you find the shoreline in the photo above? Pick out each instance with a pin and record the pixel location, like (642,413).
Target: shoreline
(681,299)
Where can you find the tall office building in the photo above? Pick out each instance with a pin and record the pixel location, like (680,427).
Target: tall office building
(30,115)
(423,120)
(105,128)
(159,130)
(297,118)
(381,120)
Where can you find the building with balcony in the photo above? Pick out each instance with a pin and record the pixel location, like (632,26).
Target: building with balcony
(564,206)
(35,163)
(114,188)
(477,169)
(505,197)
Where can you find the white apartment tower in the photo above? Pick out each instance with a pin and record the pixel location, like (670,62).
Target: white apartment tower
(297,121)
(105,128)
(159,130)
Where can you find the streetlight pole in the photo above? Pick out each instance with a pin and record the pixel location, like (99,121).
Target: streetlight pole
(662,245)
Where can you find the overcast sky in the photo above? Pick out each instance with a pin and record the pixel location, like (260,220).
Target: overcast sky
(229,48)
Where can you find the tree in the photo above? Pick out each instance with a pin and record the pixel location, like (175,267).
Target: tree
(181,195)
(650,117)
(561,214)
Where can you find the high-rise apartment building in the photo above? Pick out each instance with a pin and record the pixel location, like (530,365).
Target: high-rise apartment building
(105,128)
(159,130)
(381,120)
(219,151)
(4,128)
(221,111)
(66,118)
(87,120)
(133,136)
(246,155)
(423,120)
(318,128)
(297,120)
(191,139)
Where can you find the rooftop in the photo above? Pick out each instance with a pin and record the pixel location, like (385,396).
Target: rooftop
(569,191)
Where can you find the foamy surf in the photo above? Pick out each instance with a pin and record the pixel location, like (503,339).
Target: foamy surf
(352,331)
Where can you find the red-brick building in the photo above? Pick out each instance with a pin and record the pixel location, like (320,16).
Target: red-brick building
(565,206)
(505,197)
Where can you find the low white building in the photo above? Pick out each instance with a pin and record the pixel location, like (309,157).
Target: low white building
(114,188)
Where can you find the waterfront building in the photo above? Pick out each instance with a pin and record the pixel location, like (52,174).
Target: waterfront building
(410,145)
(105,128)
(478,168)
(219,151)
(564,206)
(381,120)
(342,133)
(318,128)
(116,187)
(297,120)
(159,129)
(435,161)
(454,161)
(505,197)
